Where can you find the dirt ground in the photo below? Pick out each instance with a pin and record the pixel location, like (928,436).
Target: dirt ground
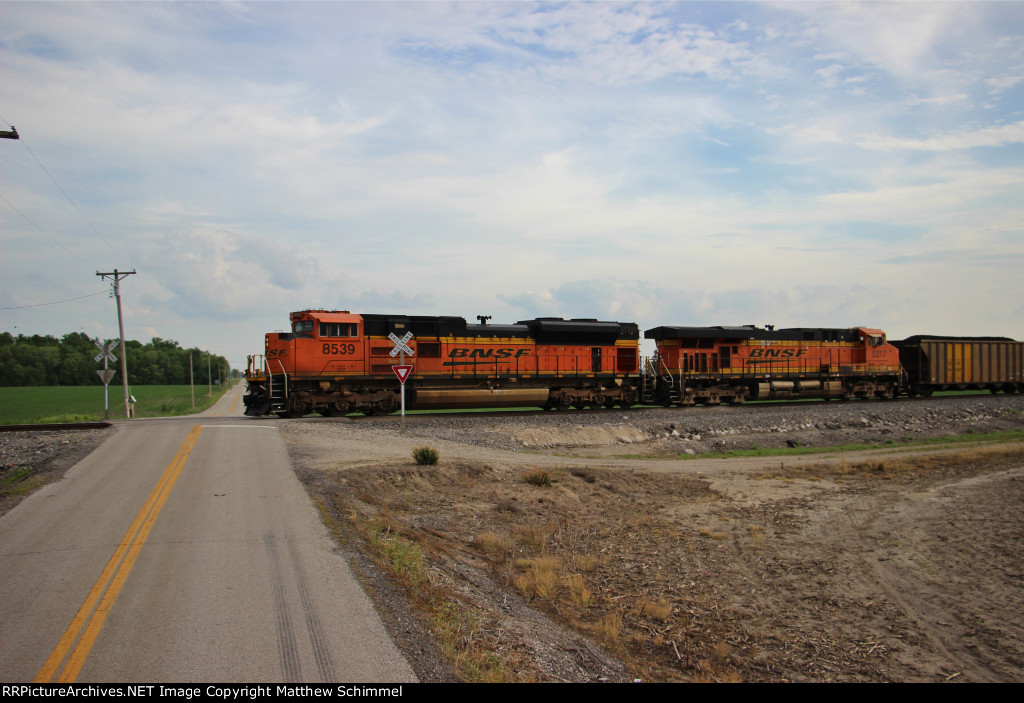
(606,552)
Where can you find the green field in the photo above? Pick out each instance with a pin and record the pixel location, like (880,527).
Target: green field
(44,404)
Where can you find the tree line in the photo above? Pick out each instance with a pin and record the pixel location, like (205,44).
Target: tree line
(45,360)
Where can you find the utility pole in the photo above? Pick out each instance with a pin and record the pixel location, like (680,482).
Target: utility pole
(116,276)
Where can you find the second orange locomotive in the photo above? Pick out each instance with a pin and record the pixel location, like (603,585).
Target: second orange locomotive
(710,365)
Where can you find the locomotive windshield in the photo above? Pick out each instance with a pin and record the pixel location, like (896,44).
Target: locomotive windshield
(302,326)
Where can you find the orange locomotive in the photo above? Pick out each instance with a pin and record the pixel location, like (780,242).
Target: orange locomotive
(336,362)
(711,365)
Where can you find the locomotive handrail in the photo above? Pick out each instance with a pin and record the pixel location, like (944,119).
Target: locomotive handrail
(252,370)
(668,371)
(285,374)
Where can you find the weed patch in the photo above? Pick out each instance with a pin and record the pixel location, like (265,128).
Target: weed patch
(425,456)
(539,478)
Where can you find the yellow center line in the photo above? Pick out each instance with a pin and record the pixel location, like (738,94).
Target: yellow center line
(234,403)
(120,565)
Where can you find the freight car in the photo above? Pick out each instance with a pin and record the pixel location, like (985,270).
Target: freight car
(712,365)
(336,362)
(933,363)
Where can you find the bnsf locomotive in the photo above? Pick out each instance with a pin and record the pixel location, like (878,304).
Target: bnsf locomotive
(337,362)
(711,365)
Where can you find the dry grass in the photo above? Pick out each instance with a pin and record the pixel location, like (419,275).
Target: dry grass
(887,468)
(579,591)
(711,534)
(538,477)
(756,535)
(540,578)
(660,609)
(533,536)
(494,543)
(609,629)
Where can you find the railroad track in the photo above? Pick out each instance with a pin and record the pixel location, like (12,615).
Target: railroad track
(56,426)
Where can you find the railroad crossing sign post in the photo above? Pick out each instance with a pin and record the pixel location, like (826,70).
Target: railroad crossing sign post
(105,373)
(401,349)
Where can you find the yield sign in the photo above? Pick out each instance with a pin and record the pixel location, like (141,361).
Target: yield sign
(402,372)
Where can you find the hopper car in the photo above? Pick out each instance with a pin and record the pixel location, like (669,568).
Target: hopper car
(934,363)
(335,362)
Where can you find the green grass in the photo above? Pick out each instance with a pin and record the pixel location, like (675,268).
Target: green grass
(48,404)
(18,481)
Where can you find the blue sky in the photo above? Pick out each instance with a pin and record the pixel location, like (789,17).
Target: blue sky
(798,164)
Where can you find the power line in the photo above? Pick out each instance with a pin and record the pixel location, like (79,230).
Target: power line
(56,302)
(52,238)
(64,193)
(81,214)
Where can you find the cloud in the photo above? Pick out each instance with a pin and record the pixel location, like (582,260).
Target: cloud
(221,273)
(993,136)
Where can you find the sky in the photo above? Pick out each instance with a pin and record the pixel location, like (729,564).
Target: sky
(794,164)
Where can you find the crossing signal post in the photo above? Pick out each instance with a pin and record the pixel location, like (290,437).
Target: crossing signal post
(105,373)
(403,371)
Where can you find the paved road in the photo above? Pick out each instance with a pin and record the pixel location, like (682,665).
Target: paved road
(183,550)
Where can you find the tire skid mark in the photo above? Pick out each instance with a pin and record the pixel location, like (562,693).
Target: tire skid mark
(287,650)
(317,636)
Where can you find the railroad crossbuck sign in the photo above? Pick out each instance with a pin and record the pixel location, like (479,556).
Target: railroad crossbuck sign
(105,350)
(401,345)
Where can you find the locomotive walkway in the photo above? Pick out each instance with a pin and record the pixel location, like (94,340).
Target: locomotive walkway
(183,549)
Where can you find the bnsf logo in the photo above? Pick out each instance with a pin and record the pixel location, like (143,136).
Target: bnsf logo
(464,353)
(776,353)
